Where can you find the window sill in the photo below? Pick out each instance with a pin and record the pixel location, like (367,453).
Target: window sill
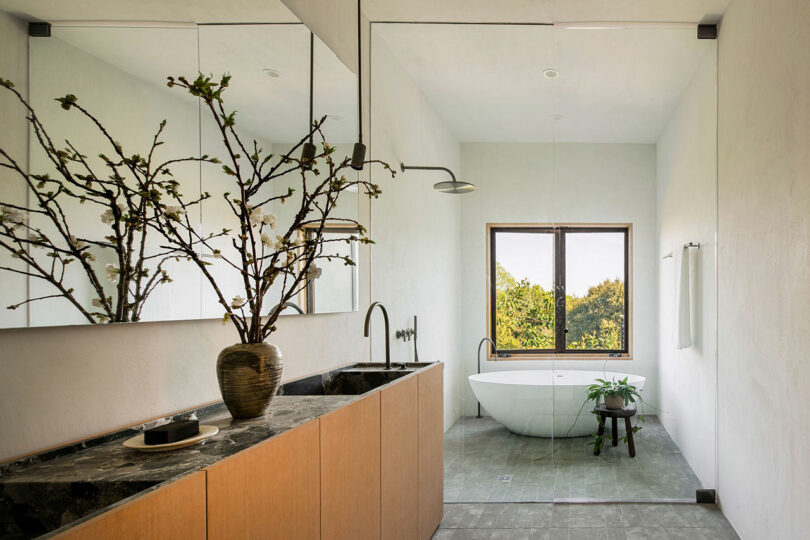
(558,357)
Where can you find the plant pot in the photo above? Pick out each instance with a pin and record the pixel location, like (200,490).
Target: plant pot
(249,375)
(614,402)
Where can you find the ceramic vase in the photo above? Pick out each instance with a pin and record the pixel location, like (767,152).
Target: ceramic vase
(249,375)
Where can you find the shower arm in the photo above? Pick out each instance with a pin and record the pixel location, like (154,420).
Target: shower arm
(404,168)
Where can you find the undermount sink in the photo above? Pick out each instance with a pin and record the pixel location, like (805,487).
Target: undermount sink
(378,366)
(351,380)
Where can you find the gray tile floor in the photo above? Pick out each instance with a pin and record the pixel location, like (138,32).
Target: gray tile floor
(613,521)
(484,462)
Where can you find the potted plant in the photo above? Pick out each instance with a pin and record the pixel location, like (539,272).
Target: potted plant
(258,256)
(125,190)
(616,394)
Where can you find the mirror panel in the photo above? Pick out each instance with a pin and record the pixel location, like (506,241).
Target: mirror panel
(270,69)
(118,73)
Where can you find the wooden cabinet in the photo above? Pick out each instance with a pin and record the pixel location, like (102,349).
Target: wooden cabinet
(176,511)
(398,441)
(372,469)
(271,490)
(430,479)
(350,471)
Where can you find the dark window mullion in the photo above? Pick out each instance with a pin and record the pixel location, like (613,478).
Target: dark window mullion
(559,291)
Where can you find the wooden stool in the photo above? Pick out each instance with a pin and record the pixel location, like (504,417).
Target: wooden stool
(614,415)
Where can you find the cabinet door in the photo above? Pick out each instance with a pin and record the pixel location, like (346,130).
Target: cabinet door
(431,450)
(398,427)
(271,490)
(176,510)
(350,471)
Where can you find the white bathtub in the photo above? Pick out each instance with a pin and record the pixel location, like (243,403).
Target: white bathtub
(543,402)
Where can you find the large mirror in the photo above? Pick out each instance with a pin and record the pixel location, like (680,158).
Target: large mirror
(119,75)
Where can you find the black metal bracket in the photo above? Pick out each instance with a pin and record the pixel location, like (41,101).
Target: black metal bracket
(707,31)
(39,29)
(705,496)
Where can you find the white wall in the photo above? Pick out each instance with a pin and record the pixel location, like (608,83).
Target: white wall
(594,183)
(764,268)
(687,184)
(416,260)
(65,383)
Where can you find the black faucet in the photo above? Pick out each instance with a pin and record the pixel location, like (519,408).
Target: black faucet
(387,338)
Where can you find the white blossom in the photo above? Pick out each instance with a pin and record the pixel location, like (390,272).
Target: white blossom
(314,272)
(107,217)
(279,242)
(112,273)
(173,212)
(97,302)
(266,241)
(217,254)
(256,216)
(238,302)
(269,219)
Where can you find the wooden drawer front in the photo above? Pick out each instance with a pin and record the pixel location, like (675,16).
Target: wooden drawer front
(350,471)
(398,427)
(431,450)
(175,511)
(271,490)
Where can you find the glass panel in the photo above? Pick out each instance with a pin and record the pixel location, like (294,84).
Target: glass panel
(524,290)
(594,287)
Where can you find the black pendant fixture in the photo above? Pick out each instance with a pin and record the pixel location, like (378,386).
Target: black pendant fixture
(359,152)
(309,150)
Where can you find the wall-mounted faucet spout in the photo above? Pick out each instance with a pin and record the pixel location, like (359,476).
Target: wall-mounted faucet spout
(478,356)
(387,338)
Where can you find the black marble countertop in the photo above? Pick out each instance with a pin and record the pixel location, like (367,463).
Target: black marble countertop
(47,493)
(111,462)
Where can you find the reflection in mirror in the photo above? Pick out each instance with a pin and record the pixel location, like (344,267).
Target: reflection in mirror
(269,89)
(117,74)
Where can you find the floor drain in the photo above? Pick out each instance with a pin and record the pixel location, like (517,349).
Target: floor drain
(504,478)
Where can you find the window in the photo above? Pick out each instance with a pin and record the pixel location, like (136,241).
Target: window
(561,290)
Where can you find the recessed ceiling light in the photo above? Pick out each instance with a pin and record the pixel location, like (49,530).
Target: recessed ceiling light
(551,73)
(336,117)
(555,117)
(271,73)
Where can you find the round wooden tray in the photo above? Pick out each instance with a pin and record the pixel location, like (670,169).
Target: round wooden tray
(136,442)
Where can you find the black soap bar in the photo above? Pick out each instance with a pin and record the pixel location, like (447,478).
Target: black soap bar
(172,432)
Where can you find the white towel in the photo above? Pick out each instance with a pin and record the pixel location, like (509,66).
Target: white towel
(683,329)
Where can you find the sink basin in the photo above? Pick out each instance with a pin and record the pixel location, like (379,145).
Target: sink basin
(351,380)
(377,366)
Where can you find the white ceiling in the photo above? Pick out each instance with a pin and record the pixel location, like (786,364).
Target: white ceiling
(545,10)
(201,11)
(275,109)
(486,81)
(376,10)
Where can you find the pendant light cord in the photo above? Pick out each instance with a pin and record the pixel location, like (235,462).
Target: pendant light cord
(359,78)
(311,83)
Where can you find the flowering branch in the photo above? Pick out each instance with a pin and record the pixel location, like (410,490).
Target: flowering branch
(128,195)
(260,258)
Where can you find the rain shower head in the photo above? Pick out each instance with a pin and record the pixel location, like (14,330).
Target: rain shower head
(453,187)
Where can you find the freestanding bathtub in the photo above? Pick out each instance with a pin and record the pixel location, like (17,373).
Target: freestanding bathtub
(540,403)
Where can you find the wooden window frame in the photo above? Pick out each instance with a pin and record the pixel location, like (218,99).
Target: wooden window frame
(558,229)
(306,297)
